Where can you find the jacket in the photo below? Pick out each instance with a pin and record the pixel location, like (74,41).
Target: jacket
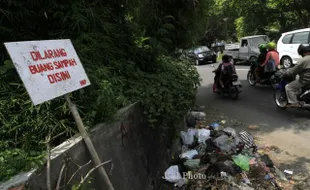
(275,56)
(302,69)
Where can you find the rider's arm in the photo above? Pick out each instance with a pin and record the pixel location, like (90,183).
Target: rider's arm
(266,59)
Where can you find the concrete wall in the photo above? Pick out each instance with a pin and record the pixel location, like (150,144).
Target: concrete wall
(139,155)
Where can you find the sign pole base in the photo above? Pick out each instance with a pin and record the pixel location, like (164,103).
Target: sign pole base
(103,174)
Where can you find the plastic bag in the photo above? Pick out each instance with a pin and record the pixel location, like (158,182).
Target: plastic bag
(203,135)
(189,154)
(242,161)
(172,174)
(198,115)
(192,164)
(188,137)
(225,143)
(230,131)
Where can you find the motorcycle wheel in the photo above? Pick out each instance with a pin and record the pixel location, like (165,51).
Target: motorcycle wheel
(251,78)
(273,84)
(280,99)
(234,94)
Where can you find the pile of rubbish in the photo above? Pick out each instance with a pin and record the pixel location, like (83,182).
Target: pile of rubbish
(213,156)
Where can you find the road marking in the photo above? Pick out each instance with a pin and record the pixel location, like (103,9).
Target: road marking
(242,69)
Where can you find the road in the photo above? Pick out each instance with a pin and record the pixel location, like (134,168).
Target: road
(287,129)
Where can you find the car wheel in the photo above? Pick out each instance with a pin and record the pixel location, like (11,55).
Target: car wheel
(286,62)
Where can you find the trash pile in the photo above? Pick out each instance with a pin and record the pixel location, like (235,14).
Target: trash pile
(214,156)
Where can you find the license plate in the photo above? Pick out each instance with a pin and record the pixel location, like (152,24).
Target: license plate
(237,83)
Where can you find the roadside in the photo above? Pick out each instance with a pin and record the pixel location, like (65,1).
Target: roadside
(276,144)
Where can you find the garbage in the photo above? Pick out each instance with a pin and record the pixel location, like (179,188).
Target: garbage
(223,121)
(172,174)
(265,158)
(288,172)
(253,127)
(188,137)
(189,154)
(203,135)
(219,157)
(192,164)
(226,144)
(280,174)
(201,148)
(230,131)
(248,140)
(242,161)
(215,126)
(198,115)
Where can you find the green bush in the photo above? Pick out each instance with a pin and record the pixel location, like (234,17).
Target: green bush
(124,64)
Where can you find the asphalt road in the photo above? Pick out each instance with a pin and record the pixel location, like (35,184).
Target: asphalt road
(255,105)
(289,130)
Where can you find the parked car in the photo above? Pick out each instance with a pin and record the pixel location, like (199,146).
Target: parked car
(201,55)
(288,44)
(248,48)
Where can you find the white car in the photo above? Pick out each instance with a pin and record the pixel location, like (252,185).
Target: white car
(288,44)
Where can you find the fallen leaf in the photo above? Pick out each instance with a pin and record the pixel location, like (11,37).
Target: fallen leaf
(253,127)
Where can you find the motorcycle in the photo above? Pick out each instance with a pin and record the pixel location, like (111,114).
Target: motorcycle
(233,89)
(266,79)
(280,97)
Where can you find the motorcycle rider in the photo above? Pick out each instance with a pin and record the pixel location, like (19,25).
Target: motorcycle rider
(272,54)
(227,70)
(260,60)
(224,72)
(302,68)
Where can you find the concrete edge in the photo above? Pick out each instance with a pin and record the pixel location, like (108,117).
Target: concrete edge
(23,177)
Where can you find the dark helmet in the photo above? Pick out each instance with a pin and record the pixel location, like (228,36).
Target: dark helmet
(226,58)
(303,48)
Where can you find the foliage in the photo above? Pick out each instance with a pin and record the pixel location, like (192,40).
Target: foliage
(14,160)
(126,55)
(176,85)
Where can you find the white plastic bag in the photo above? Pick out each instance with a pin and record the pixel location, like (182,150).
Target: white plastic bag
(188,137)
(189,154)
(198,115)
(172,174)
(203,135)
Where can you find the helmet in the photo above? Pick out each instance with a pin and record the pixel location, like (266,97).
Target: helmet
(226,58)
(262,47)
(271,46)
(303,48)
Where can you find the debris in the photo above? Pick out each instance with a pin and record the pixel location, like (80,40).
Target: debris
(198,115)
(192,164)
(265,158)
(226,144)
(215,126)
(189,154)
(242,161)
(223,121)
(253,127)
(288,172)
(219,157)
(230,131)
(172,174)
(188,137)
(280,174)
(203,135)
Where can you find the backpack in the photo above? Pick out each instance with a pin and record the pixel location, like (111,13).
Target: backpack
(271,65)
